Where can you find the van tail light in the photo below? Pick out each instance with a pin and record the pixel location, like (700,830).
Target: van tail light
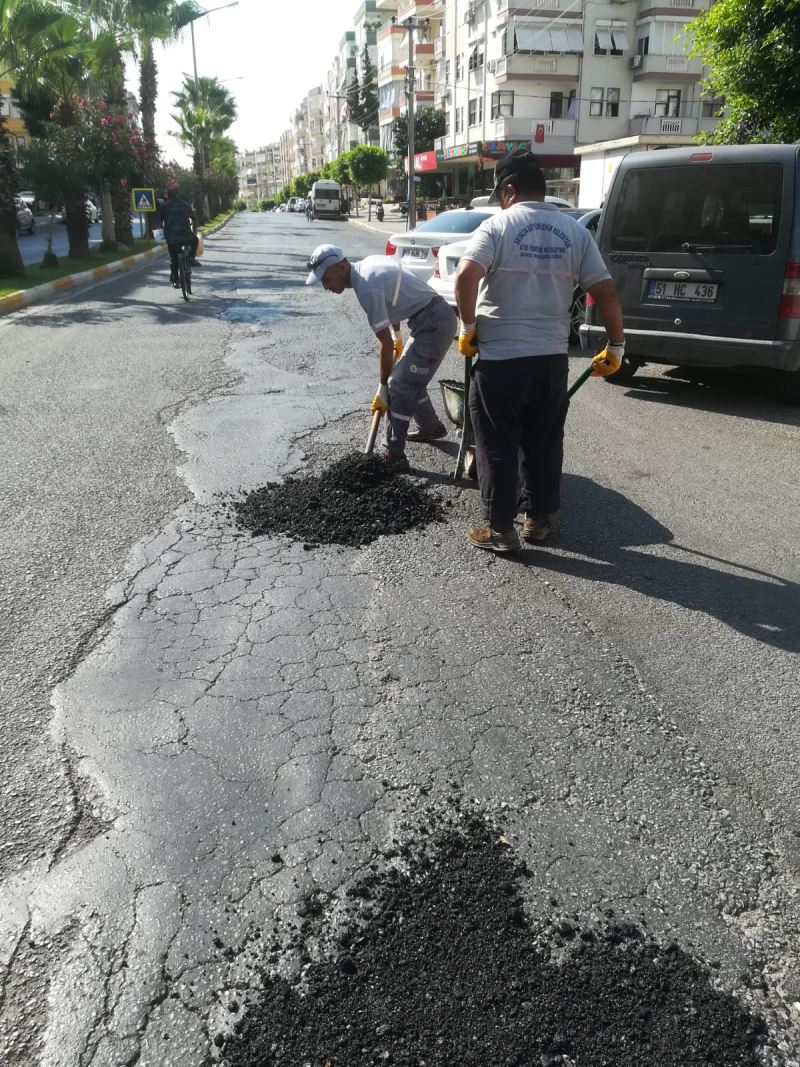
(390,248)
(590,301)
(435,254)
(790,300)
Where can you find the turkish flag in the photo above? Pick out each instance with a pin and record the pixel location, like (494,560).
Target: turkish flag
(538,137)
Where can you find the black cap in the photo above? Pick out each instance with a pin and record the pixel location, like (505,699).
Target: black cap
(520,162)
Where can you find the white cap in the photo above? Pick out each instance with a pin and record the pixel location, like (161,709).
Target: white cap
(321,258)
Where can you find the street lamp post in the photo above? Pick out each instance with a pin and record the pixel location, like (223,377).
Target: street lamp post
(200,15)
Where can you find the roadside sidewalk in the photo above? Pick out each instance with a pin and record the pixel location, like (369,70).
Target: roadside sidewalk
(394,223)
(40,294)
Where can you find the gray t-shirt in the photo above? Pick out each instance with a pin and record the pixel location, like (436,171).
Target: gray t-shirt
(386,292)
(534,256)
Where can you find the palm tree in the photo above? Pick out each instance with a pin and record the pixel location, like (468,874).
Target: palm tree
(205,110)
(39,43)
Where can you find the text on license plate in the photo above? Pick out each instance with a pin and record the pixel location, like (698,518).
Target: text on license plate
(702,292)
(416,253)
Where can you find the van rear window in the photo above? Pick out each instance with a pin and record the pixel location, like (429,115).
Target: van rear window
(732,204)
(326,194)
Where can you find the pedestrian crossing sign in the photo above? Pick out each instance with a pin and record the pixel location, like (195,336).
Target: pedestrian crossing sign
(143,199)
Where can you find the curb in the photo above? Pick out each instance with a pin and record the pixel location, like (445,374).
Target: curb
(40,294)
(373,229)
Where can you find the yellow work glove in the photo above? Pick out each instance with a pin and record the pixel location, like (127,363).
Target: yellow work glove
(608,361)
(381,400)
(468,340)
(398,345)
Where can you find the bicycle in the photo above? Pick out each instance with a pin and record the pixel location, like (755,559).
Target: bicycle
(185,270)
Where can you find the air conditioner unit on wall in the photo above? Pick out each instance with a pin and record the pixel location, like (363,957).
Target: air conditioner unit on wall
(635,61)
(491,66)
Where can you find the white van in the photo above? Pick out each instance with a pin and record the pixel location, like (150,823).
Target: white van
(325,199)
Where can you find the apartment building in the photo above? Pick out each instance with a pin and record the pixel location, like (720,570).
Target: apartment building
(340,133)
(366,23)
(18,135)
(261,173)
(561,74)
(308,122)
(393,58)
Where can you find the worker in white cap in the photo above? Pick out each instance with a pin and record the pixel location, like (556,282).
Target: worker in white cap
(389,295)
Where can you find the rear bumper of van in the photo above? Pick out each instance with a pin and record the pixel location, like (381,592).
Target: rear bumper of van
(698,350)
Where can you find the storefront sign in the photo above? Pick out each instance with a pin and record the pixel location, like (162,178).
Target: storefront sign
(459,151)
(425,161)
(495,149)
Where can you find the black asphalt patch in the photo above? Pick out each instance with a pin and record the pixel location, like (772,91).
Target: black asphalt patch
(352,502)
(437,964)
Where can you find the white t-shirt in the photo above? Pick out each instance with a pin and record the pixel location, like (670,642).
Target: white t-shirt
(534,256)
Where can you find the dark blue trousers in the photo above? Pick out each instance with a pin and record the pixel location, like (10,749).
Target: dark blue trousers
(518,408)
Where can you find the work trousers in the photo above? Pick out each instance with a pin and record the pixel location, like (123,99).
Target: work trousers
(432,332)
(518,408)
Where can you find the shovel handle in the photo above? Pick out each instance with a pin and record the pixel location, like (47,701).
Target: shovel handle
(580,380)
(466,426)
(373,431)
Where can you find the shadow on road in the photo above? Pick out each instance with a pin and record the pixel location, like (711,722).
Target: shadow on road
(602,529)
(746,396)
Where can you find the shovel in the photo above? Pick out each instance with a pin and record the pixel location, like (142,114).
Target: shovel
(465,458)
(373,431)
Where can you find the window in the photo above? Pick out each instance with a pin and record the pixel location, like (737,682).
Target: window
(458,68)
(736,204)
(503,104)
(668,103)
(596,102)
(612,103)
(447,74)
(447,123)
(711,107)
(475,59)
(643,45)
(476,111)
(610,39)
(562,106)
(459,119)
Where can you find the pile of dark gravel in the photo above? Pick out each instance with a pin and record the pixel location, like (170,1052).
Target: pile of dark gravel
(437,964)
(352,502)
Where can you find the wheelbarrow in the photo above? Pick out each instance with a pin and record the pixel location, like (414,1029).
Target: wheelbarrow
(455,396)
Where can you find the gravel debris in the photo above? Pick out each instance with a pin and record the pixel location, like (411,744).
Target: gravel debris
(353,502)
(436,963)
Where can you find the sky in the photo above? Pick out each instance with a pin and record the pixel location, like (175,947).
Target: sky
(269,53)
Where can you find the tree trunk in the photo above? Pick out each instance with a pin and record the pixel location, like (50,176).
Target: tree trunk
(109,237)
(123,224)
(77,228)
(148,90)
(10,258)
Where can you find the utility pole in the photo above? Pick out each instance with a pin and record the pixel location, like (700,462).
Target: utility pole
(411,23)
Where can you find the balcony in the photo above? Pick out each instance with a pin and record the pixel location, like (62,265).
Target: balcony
(389,6)
(671,68)
(420,9)
(663,125)
(509,7)
(438,47)
(681,8)
(537,68)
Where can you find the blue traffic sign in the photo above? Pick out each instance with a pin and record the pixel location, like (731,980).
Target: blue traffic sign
(143,199)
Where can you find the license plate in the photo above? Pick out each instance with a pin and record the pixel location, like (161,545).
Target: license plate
(416,253)
(690,292)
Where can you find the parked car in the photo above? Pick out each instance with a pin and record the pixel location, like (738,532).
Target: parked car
(704,248)
(26,223)
(419,248)
(29,199)
(292,203)
(444,273)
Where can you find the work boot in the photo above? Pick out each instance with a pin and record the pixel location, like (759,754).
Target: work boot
(494,540)
(396,464)
(427,435)
(535,527)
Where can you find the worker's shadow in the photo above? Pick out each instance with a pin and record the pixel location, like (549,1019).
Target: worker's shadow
(604,531)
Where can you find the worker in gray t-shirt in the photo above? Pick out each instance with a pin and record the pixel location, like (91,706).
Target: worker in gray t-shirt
(388,295)
(514,287)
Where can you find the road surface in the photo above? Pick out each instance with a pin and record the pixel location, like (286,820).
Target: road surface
(181,705)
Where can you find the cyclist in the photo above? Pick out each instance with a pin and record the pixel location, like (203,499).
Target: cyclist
(310,210)
(180,228)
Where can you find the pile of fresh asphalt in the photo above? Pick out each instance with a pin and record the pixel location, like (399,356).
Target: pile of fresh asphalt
(437,964)
(352,502)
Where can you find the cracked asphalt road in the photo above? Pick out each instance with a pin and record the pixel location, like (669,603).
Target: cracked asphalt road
(624,699)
